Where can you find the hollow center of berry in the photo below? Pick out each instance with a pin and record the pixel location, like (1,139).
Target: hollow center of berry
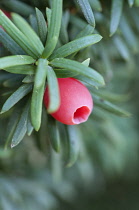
(81,115)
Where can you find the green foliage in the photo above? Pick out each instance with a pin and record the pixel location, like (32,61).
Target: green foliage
(10,44)
(73,145)
(42,27)
(78,68)
(53,90)
(28,32)
(18,7)
(53,28)
(21,127)
(18,36)
(53,133)
(87,11)
(38,92)
(36,47)
(116,12)
(75,46)
(16,97)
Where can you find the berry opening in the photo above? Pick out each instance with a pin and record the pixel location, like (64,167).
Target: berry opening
(81,115)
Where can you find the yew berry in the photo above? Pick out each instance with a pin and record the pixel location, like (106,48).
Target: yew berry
(76,102)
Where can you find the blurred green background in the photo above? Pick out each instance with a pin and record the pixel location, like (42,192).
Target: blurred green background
(105,176)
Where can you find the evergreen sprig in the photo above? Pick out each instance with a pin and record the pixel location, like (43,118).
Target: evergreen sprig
(42,53)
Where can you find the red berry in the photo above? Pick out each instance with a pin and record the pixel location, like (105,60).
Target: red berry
(76,102)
